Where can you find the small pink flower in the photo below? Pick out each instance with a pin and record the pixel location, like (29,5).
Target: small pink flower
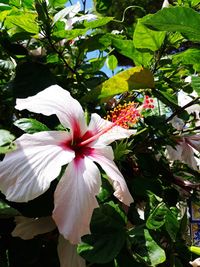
(28,171)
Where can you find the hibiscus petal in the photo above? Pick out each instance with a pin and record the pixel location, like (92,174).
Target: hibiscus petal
(104,157)
(174,153)
(188,156)
(28,228)
(70,11)
(75,199)
(194,141)
(97,124)
(28,171)
(68,255)
(56,100)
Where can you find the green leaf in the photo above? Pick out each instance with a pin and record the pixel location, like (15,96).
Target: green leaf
(4,14)
(145,38)
(107,237)
(6,210)
(5,137)
(28,3)
(101,248)
(16,3)
(156,253)
(4,7)
(106,190)
(196,84)
(7,64)
(156,218)
(57,3)
(172,223)
(96,42)
(181,19)
(30,125)
(69,34)
(145,247)
(127,49)
(27,22)
(190,56)
(110,216)
(124,47)
(195,2)
(111,62)
(133,78)
(97,22)
(102,5)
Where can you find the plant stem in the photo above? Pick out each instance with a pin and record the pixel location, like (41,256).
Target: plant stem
(181,109)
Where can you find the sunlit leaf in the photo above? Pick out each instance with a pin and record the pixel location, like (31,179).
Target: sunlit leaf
(145,38)
(5,137)
(133,78)
(97,22)
(30,125)
(27,22)
(196,84)
(180,19)
(111,62)
(57,3)
(6,141)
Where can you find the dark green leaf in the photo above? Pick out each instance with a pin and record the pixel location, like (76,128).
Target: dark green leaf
(103,5)
(172,223)
(101,248)
(108,234)
(31,78)
(96,42)
(156,218)
(110,216)
(106,190)
(145,248)
(6,210)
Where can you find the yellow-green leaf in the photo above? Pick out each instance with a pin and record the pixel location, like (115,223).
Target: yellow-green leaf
(27,22)
(133,78)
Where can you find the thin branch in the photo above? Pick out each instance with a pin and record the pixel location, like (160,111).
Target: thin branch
(181,109)
(84,5)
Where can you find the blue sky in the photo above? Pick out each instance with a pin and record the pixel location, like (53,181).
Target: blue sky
(94,54)
(89,3)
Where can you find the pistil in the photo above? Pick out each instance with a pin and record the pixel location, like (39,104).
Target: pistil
(122,116)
